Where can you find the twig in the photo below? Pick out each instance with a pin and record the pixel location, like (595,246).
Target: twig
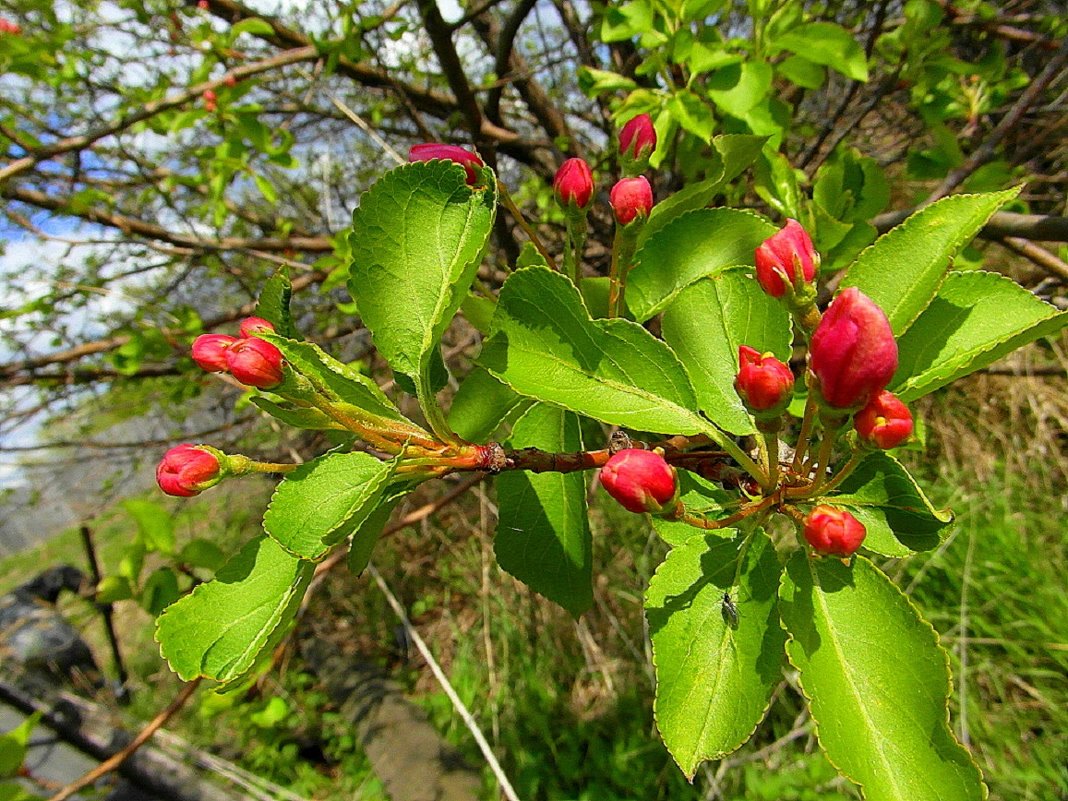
(1036,227)
(1040,256)
(108,765)
(105,611)
(443,680)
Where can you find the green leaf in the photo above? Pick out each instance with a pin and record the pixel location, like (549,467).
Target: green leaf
(697,244)
(479,311)
(270,194)
(700,497)
(481,405)
(365,538)
(974,320)
(273,304)
(692,114)
(202,553)
(324,500)
(112,589)
(333,378)
(737,88)
(899,518)
(14,744)
(715,673)
(828,44)
(154,524)
(595,82)
(160,591)
(876,680)
(802,72)
(738,152)
(220,629)
(707,322)
(904,268)
(543,531)
(297,416)
(545,346)
(252,25)
(417,238)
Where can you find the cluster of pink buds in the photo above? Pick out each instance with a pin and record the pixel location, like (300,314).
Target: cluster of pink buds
(211,100)
(435,151)
(7,26)
(251,360)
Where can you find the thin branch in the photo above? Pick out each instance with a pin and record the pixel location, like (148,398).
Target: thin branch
(451,66)
(1037,227)
(108,765)
(147,110)
(1037,255)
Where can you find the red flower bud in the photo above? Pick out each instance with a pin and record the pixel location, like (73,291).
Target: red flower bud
(428,151)
(885,422)
(255,362)
(7,26)
(764,383)
(853,354)
(782,254)
(574,183)
(210,100)
(637,139)
(251,326)
(209,351)
(186,470)
(203,5)
(630,198)
(230,81)
(830,530)
(640,480)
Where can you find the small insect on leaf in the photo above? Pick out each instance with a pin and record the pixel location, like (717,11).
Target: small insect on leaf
(729,610)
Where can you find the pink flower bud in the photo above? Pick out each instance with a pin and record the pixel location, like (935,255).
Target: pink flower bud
(209,351)
(885,422)
(428,151)
(833,531)
(251,326)
(210,100)
(764,383)
(255,362)
(631,198)
(7,26)
(637,139)
(783,254)
(574,183)
(853,354)
(203,5)
(640,480)
(186,470)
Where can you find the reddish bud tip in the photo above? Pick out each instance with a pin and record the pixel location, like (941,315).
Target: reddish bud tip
(210,100)
(764,383)
(251,326)
(853,354)
(637,139)
(202,5)
(230,81)
(209,351)
(885,422)
(7,26)
(640,480)
(833,531)
(429,151)
(574,183)
(782,254)
(255,362)
(186,470)
(631,198)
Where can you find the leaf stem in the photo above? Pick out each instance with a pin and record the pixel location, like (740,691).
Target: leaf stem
(699,521)
(805,434)
(517,215)
(623,246)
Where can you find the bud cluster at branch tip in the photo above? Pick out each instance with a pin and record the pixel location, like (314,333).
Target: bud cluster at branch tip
(631,198)
(642,481)
(885,422)
(9,27)
(852,355)
(211,101)
(188,470)
(764,383)
(430,151)
(573,184)
(833,531)
(251,360)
